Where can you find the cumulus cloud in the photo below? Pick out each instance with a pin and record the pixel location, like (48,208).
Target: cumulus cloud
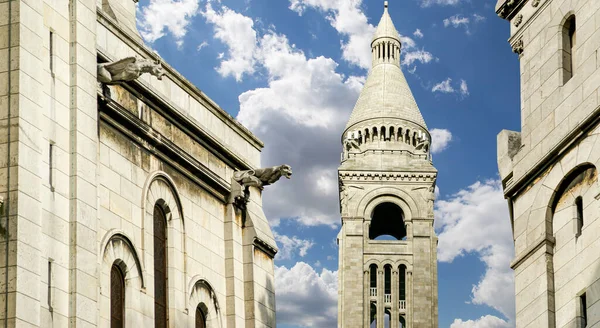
(417,33)
(237,32)
(427,3)
(480,212)
(464,88)
(446,87)
(350,21)
(306,298)
(202,45)
(456,21)
(443,87)
(290,246)
(287,113)
(440,140)
(488,321)
(161,16)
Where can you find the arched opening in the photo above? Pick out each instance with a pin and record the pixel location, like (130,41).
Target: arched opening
(387,319)
(387,223)
(373,316)
(402,323)
(117,297)
(569,41)
(375,135)
(399,135)
(402,284)
(200,317)
(373,280)
(160,268)
(387,287)
(392,134)
(383,136)
(407,137)
(367,135)
(579,213)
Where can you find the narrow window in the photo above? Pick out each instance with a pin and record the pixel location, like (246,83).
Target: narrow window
(160,268)
(51,166)
(117,297)
(373,277)
(402,284)
(569,35)
(200,318)
(579,209)
(583,310)
(51,53)
(50,285)
(373,318)
(388,284)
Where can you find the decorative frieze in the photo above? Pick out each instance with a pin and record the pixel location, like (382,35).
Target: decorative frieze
(395,176)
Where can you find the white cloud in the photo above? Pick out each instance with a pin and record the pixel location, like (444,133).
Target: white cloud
(478,18)
(202,45)
(306,298)
(237,32)
(488,321)
(440,140)
(418,34)
(288,114)
(166,15)
(350,21)
(444,86)
(480,213)
(464,88)
(456,21)
(288,247)
(427,3)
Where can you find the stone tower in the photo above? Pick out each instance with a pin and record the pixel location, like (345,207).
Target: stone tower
(549,167)
(387,262)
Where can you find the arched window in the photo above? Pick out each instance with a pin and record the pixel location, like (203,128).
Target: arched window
(160,268)
(200,318)
(383,136)
(402,323)
(373,319)
(579,211)
(402,284)
(387,220)
(387,270)
(373,279)
(569,38)
(117,297)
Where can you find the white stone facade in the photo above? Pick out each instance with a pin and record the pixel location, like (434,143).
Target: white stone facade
(549,168)
(387,183)
(81,174)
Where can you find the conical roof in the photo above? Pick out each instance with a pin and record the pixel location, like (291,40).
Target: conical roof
(386,93)
(386,27)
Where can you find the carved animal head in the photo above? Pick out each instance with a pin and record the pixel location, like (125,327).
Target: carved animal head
(285,171)
(157,70)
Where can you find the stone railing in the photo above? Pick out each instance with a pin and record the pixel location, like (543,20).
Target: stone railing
(373,291)
(387,298)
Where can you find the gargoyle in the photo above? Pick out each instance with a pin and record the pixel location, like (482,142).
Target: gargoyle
(351,143)
(262,177)
(128,69)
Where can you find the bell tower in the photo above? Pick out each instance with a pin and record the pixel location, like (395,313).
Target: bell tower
(387,244)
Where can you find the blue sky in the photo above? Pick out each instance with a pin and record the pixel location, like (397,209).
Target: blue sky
(291,71)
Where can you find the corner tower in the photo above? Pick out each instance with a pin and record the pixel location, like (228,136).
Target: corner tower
(387,260)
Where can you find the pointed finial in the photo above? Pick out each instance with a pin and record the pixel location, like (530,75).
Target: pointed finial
(385,4)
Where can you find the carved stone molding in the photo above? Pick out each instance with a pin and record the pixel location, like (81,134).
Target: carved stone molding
(368,176)
(518,47)
(518,20)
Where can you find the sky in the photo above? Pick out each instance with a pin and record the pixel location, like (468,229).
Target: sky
(291,71)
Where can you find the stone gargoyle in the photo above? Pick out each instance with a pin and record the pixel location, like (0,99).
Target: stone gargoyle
(423,145)
(128,69)
(262,177)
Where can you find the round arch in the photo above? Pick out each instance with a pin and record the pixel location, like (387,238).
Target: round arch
(202,295)
(387,219)
(388,194)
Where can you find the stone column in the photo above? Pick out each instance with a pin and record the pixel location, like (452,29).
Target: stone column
(367,295)
(395,299)
(380,292)
(234,269)
(409,299)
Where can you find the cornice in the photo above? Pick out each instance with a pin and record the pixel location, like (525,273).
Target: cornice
(149,139)
(394,176)
(265,247)
(510,8)
(178,79)
(548,241)
(515,186)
